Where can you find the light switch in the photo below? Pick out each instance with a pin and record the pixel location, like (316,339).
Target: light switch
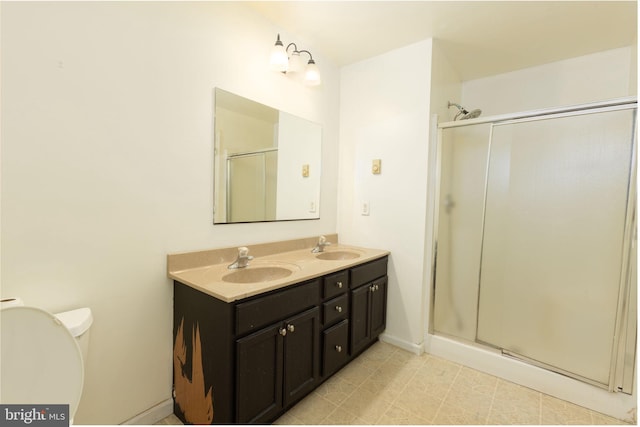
(312,207)
(376,167)
(305,171)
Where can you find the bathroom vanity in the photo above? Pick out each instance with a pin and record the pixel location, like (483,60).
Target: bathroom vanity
(248,346)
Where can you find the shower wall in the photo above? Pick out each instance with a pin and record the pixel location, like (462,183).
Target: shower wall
(533,229)
(590,78)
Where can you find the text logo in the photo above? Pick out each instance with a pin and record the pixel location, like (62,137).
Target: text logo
(34,415)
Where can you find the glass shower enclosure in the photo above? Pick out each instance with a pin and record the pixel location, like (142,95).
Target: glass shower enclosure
(535,238)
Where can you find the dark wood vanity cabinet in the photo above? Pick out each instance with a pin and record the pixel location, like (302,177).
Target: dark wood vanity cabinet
(368,304)
(248,361)
(276,366)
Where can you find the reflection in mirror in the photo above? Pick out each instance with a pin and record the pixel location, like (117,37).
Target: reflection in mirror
(266,163)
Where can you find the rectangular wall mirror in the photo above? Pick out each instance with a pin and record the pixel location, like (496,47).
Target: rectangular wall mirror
(266,163)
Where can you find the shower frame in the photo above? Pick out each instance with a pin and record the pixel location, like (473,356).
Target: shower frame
(623,360)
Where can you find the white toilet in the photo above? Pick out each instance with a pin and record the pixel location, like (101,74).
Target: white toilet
(42,355)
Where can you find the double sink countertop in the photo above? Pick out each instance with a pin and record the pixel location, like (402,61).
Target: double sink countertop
(207,270)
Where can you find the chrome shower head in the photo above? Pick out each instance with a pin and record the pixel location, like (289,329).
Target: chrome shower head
(463,114)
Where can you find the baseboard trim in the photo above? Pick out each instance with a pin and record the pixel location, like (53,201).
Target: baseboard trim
(405,345)
(153,414)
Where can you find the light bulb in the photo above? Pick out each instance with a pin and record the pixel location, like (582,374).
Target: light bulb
(279,60)
(312,74)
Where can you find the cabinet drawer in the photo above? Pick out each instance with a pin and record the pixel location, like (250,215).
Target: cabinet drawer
(367,272)
(335,342)
(262,311)
(335,309)
(335,284)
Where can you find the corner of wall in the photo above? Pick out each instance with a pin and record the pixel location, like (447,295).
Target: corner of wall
(633,70)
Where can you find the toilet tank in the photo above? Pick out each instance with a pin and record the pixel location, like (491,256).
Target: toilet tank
(78,322)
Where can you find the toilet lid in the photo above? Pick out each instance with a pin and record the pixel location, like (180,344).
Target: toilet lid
(41,360)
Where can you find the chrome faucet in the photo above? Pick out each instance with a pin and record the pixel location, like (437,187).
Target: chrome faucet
(243,258)
(322,242)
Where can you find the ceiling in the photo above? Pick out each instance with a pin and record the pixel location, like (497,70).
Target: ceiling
(480,38)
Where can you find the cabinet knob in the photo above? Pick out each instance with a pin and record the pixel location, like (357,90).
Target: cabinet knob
(338,309)
(283,332)
(339,348)
(339,285)
(291,328)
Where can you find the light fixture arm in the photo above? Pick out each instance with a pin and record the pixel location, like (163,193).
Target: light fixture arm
(310,56)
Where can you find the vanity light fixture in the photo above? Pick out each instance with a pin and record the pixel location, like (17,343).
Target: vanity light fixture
(285,62)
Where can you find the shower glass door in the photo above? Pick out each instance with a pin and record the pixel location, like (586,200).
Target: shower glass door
(251,186)
(463,164)
(553,244)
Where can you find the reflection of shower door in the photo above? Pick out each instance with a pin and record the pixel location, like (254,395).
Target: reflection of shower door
(251,186)
(554,247)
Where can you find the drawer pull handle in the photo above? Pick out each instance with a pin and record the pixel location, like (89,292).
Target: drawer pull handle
(339,348)
(291,328)
(283,332)
(338,309)
(339,285)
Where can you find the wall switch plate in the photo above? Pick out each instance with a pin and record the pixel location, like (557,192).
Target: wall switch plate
(305,171)
(365,209)
(312,207)
(376,166)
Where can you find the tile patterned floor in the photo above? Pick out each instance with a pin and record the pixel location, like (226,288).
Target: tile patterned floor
(389,386)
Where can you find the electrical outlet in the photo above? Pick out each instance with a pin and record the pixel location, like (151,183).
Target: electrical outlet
(365,209)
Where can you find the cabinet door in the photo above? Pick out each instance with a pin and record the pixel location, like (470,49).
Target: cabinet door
(360,330)
(378,307)
(259,375)
(301,355)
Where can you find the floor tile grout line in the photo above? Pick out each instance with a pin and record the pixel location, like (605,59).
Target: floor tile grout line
(493,398)
(539,408)
(446,394)
(382,415)
(358,386)
(400,391)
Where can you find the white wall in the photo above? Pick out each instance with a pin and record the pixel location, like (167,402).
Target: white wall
(446,84)
(596,77)
(384,114)
(107,152)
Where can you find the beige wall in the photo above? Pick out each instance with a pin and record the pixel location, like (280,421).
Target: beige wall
(107,153)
